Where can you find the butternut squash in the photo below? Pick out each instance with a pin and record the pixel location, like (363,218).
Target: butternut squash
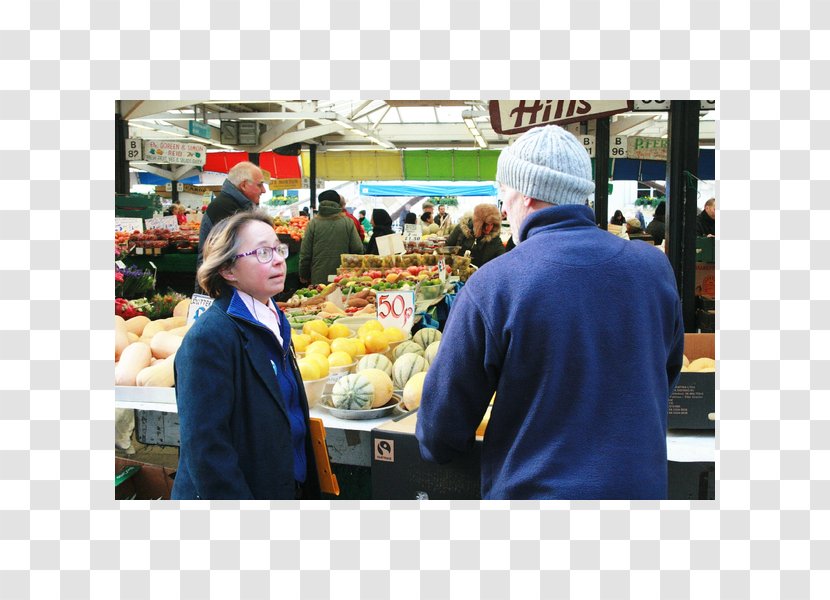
(173,322)
(132,337)
(157,375)
(135,357)
(122,340)
(181,308)
(164,344)
(136,324)
(180,330)
(152,328)
(120,323)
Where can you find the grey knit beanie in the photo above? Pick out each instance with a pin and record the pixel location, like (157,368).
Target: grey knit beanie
(548,164)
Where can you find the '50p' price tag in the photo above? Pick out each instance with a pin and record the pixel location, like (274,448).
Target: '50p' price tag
(396,309)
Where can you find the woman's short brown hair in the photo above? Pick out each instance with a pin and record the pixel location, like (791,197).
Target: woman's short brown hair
(221,248)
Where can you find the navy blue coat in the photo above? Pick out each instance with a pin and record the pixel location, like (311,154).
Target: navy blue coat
(233,415)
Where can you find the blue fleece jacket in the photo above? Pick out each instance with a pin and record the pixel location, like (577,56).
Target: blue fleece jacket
(582,392)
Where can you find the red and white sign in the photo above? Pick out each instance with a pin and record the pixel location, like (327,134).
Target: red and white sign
(517,116)
(396,309)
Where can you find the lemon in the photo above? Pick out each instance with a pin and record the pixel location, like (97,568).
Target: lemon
(343,345)
(301,342)
(373,325)
(340,359)
(375,342)
(309,370)
(393,334)
(321,361)
(317,325)
(359,346)
(318,347)
(338,330)
(316,337)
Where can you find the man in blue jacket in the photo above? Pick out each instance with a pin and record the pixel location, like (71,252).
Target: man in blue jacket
(581,399)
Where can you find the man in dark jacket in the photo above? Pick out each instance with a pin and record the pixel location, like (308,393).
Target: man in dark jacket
(539,326)
(241,191)
(327,236)
(706,219)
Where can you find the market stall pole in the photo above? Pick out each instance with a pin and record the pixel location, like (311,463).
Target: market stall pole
(601,171)
(681,208)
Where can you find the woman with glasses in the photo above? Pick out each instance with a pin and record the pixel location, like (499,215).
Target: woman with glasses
(243,412)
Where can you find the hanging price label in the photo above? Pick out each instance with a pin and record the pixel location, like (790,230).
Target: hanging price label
(397,309)
(199,303)
(442,271)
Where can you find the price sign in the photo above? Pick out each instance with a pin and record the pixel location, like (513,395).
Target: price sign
(134,149)
(199,303)
(129,224)
(397,309)
(442,271)
(170,223)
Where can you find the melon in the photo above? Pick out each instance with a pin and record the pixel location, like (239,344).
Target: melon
(405,367)
(407,348)
(375,361)
(426,336)
(431,352)
(353,392)
(412,391)
(382,384)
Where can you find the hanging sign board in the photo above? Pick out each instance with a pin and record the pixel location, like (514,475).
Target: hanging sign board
(199,129)
(169,223)
(517,116)
(589,143)
(178,153)
(396,309)
(618,148)
(199,303)
(285,184)
(647,148)
(129,224)
(411,233)
(663,105)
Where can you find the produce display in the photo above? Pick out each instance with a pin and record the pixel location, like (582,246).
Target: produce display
(294,228)
(145,348)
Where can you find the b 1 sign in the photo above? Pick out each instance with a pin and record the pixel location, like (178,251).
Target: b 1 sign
(397,309)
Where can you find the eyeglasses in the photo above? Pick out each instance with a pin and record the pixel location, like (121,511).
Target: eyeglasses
(265,254)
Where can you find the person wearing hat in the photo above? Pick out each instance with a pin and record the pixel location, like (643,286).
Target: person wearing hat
(657,228)
(479,232)
(381,226)
(579,403)
(328,235)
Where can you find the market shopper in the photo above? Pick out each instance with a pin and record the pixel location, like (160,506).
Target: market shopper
(657,228)
(381,225)
(333,196)
(479,232)
(706,219)
(365,223)
(243,412)
(618,218)
(581,404)
(428,225)
(327,236)
(442,216)
(240,191)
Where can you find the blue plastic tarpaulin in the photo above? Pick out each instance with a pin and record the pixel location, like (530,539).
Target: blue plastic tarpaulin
(628,169)
(153,179)
(425,189)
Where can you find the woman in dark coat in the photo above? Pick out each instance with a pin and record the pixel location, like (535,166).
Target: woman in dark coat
(657,228)
(618,218)
(243,412)
(479,233)
(381,225)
